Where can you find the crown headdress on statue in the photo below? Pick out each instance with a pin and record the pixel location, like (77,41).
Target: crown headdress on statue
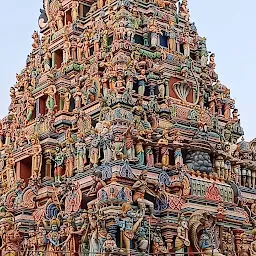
(55,221)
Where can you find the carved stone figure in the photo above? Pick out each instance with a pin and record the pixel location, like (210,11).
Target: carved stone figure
(182,239)
(141,188)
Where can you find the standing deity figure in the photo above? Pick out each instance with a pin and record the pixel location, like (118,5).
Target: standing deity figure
(149,154)
(140,154)
(154,33)
(127,225)
(86,48)
(172,37)
(106,141)
(69,171)
(80,154)
(83,231)
(36,42)
(9,169)
(141,188)
(74,11)
(36,157)
(77,95)
(219,163)
(67,97)
(59,162)
(203,53)
(184,11)
(47,60)
(30,106)
(186,44)
(53,238)
(212,102)
(50,102)
(164,149)
(66,49)
(93,242)
(69,245)
(79,49)
(129,146)
(142,80)
(182,239)
(95,148)
(59,18)
(117,147)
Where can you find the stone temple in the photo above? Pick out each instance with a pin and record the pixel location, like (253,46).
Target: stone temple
(121,140)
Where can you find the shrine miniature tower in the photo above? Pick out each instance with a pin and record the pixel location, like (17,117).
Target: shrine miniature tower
(121,139)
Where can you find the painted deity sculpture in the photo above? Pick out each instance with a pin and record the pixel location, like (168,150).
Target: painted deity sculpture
(141,188)
(36,157)
(182,239)
(58,166)
(127,225)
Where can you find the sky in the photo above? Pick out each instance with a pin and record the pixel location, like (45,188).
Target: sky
(228,26)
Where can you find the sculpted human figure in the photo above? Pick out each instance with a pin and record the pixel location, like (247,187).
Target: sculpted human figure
(141,188)
(78,97)
(69,245)
(109,245)
(74,11)
(53,238)
(30,106)
(129,142)
(142,80)
(186,44)
(172,37)
(66,49)
(67,97)
(95,148)
(79,49)
(80,154)
(140,154)
(98,183)
(59,18)
(83,231)
(9,169)
(59,162)
(127,225)
(117,147)
(106,141)
(184,11)
(36,157)
(50,102)
(182,239)
(149,154)
(219,161)
(69,171)
(164,149)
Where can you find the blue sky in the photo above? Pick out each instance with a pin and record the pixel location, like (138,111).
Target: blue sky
(228,26)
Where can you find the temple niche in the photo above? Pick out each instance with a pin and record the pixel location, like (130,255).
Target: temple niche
(121,139)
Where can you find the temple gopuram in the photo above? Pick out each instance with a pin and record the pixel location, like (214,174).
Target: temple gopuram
(121,140)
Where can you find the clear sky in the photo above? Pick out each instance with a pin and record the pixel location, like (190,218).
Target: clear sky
(228,26)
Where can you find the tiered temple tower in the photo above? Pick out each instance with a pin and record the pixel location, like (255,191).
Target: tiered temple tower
(120,139)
